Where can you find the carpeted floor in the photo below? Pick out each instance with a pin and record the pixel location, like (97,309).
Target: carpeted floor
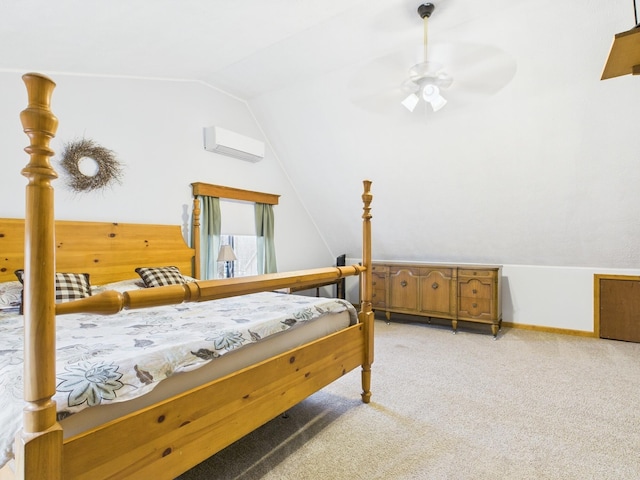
(529,405)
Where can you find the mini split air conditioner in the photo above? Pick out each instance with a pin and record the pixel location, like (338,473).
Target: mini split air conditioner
(232,144)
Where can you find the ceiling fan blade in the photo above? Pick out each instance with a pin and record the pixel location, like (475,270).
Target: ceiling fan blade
(410,86)
(481,69)
(378,85)
(383,103)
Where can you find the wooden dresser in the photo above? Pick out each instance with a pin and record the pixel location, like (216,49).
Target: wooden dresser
(470,293)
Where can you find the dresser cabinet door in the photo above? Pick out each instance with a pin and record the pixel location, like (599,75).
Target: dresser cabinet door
(476,294)
(437,292)
(403,288)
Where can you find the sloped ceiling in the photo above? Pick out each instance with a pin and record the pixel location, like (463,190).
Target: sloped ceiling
(533,161)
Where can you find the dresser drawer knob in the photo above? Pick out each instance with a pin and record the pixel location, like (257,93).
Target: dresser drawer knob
(373,283)
(474,290)
(474,305)
(435,285)
(403,283)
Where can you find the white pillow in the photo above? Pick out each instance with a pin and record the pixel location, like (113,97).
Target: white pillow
(10,295)
(122,286)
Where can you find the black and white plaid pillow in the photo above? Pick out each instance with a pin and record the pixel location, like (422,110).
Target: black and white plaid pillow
(72,286)
(160,276)
(69,286)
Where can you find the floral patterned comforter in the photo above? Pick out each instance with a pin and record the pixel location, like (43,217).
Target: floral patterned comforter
(102,359)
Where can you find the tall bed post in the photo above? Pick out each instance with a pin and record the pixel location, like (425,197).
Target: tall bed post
(39,445)
(366,314)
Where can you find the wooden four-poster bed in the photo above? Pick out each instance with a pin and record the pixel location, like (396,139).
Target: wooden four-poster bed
(171,434)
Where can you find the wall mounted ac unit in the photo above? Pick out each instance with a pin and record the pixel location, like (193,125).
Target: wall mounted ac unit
(232,144)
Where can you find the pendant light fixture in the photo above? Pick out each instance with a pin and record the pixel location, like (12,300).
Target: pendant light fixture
(624,57)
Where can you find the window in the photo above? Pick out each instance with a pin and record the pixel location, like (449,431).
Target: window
(245,248)
(239,231)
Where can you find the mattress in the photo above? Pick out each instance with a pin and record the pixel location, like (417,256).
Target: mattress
(118,364)
(229,363)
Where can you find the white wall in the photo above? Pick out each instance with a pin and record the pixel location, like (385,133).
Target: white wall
(155,129)
(556,297)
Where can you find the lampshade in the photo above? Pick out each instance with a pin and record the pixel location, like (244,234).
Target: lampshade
(624,57)
(410,102)
(226,254)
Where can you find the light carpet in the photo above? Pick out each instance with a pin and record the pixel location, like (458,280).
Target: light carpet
(529,405)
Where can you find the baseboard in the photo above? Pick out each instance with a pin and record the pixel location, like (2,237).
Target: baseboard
(434,320)
(562,331)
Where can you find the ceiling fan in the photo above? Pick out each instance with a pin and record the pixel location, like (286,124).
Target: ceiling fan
(426,78)
(387,84)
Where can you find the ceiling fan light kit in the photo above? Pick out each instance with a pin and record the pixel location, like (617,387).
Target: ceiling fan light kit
(426,78)
(430,93)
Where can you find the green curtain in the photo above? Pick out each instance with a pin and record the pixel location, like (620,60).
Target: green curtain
(209,237)
(265,237)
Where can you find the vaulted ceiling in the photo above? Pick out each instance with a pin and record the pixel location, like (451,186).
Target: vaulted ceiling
(512,171)
(251,47)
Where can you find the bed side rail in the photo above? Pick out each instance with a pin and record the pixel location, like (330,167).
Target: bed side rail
(110,302)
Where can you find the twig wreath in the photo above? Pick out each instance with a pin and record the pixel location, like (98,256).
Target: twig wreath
(109,169)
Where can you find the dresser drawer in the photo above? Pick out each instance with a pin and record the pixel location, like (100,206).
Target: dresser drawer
(475,308)
(378,299)
(378,281)
(475,288)
(379,286)
(478,272)
(379,269)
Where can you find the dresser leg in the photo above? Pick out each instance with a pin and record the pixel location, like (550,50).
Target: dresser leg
(388,315)
(494,330)
(454,324)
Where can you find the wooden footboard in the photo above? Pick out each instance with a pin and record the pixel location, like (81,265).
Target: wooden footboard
(168,438)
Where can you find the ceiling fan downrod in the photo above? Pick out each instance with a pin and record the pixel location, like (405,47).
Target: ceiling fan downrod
(425,10)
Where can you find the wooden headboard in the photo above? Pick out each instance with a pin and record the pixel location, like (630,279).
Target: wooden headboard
(109,252)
